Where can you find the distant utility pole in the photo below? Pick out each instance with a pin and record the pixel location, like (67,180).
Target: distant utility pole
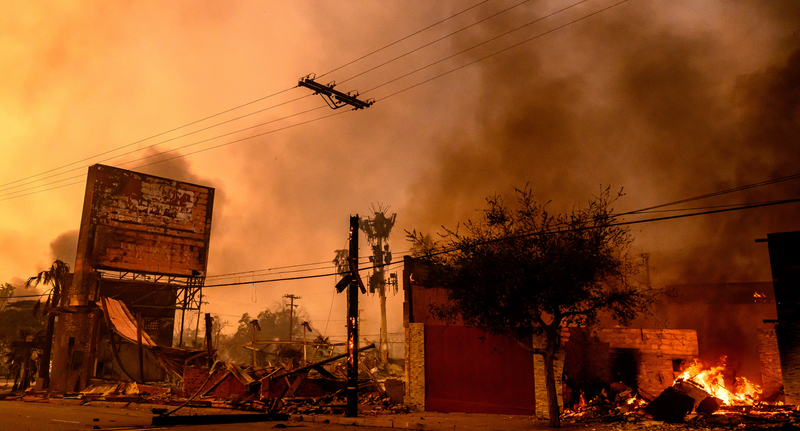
(291,297)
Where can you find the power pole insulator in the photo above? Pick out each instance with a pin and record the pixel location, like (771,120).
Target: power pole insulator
(335,99)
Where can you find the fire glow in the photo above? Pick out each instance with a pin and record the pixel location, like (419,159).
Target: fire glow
(744,392)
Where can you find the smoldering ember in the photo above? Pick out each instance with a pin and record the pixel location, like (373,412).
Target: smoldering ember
(142,254)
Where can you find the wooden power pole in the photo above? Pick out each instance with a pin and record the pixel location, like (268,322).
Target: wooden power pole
(291,297)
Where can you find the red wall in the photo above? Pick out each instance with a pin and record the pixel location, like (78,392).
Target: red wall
(468,370)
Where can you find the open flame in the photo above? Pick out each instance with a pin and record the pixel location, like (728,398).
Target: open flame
(744,392)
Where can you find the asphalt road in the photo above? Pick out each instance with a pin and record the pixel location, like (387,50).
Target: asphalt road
(35,416)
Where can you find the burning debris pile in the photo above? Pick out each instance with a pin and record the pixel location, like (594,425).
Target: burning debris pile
(698,397)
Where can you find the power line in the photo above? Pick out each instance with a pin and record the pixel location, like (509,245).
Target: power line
(488,55)
(152,137)
(178,148)
(403,38)
(6,185)
(556,231)
(510,237)
(2,188)
(621,223)
(718,193)
(440,39)
(8,196)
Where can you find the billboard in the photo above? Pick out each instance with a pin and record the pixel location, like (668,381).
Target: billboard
(140,223)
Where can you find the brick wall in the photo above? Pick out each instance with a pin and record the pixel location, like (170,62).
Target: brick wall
(540,386)
(788,336)
(771,378)
(415,366)
(656,352)
(681,342)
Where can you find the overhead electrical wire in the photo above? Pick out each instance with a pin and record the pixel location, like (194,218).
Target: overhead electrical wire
(505,238)
(440,39)
(4,197)
(403,38)
(527,234)
(8,196)
(151,137)
(644,210)
(4,187)
(718,193)
(485,56)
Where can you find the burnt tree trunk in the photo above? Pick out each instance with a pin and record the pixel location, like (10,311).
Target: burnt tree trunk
(44,366)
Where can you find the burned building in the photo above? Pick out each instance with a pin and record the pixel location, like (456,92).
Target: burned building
(454,368)
(143,242)
(784,257)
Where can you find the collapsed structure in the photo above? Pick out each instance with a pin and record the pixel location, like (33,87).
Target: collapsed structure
(144,241)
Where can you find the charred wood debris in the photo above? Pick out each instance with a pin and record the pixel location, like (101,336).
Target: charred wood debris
(288,389)
(684,405)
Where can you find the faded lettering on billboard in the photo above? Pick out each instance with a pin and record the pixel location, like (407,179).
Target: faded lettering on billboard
(142,223)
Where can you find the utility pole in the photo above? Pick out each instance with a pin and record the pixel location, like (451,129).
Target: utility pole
(291,297)
(352,282)
(352,322)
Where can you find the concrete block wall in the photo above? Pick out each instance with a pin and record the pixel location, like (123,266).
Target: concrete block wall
(771,378)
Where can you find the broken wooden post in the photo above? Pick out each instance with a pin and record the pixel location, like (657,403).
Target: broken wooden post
(209,347)
(256,327)
(139,341)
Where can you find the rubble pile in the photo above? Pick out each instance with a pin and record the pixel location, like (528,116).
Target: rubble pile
(685,404)
(316,388)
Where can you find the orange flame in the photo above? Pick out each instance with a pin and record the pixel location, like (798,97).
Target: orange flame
(744,392)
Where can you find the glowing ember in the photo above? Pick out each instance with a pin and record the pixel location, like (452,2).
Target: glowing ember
(711,380)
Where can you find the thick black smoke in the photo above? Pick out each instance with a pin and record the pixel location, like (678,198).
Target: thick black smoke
(637,99)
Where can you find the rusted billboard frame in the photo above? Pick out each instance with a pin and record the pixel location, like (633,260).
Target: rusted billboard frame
(133,225)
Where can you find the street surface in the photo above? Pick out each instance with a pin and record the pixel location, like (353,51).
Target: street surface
(63,416)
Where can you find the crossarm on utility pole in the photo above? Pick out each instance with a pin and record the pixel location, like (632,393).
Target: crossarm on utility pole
(335,99)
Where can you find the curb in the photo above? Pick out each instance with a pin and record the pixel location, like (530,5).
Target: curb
(362,421)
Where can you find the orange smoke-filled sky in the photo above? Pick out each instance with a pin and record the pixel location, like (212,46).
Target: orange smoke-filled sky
(666,99)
